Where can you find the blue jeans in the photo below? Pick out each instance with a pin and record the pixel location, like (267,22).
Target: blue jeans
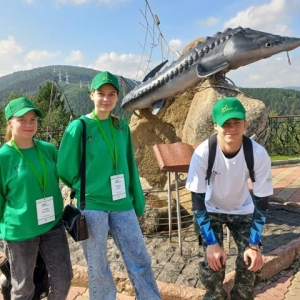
(127,235)
(54,249)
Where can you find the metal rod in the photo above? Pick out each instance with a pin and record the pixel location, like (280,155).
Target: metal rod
(169,205)
(178,212)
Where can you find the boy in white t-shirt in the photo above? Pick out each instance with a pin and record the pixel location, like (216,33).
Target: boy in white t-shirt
(227,200)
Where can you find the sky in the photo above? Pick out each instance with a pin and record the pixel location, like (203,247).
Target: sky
(121,36)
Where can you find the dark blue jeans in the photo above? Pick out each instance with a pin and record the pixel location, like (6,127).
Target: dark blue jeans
(54,249)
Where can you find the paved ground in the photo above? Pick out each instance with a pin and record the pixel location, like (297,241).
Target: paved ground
(283,286)
(177,274)
(281,231)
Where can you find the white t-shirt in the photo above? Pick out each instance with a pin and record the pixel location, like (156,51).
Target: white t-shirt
(228,191)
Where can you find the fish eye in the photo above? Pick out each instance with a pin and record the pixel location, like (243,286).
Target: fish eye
(268,44)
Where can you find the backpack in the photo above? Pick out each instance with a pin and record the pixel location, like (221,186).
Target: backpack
(212,148)
(248,152)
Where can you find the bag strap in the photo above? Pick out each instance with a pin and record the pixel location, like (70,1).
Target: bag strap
(249,157)
(212,148)
(83,166)
(248,153)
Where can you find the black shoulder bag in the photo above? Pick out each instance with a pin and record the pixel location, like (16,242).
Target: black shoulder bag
(73,218)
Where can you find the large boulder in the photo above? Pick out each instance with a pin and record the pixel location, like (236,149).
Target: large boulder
(146,132)
(187,118)
(198,124)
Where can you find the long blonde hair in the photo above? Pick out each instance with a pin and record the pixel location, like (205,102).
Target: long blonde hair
(8,133)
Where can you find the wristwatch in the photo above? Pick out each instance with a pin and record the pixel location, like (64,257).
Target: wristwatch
(256,247)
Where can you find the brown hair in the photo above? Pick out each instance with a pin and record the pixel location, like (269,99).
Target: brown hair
(116,122)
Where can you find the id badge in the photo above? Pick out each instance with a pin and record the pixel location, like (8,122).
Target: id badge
(118,187)
(45,210)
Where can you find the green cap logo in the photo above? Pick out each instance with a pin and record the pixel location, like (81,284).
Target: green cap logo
(104,78)
(19,107)
(228,108)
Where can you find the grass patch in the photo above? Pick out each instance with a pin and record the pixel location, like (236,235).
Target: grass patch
(284,157)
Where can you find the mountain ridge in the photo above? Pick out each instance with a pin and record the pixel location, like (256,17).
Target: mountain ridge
(75,83)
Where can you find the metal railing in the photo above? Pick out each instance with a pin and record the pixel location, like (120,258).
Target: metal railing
(283,139)
(283,135)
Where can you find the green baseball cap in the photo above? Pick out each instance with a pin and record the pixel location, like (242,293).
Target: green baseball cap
(228,108)
(104,78)
(19,107)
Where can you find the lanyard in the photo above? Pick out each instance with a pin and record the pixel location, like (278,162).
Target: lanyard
(113,153)
(41,179)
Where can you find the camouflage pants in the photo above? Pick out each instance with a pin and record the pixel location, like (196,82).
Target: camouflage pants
(245,281)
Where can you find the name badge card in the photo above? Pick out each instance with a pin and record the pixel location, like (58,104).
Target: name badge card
(118,187)
(45,210)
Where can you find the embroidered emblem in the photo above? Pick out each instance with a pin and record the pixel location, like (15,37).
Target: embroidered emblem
(226,108)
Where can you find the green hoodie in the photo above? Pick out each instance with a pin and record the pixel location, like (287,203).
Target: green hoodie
(100,167)
(19,190)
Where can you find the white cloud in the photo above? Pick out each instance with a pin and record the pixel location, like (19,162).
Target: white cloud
(79,2)
(271,17)
(117,64)
(75,57)
(9,48)
(76,2)
(13,58)
(209,22)
(10,53)
(112,2)
(275,16)
(38,57)
(270,72)
(175,44)
(127,65)
(32,59)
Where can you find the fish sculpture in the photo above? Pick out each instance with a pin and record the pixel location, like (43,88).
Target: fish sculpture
(225,51)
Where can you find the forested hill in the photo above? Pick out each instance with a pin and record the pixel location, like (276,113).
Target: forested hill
(279,101)
(74,82)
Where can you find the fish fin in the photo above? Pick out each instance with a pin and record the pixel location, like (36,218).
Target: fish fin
(157,106)
(126,85)
(202,72)
(154,71)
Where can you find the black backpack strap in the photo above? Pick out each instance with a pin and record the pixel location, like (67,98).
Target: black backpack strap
(249,157)
(83,166)
(212,148)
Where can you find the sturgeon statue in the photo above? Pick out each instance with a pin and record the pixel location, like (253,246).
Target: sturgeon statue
(225,51)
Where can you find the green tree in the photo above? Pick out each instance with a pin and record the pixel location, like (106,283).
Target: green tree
(51,101)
